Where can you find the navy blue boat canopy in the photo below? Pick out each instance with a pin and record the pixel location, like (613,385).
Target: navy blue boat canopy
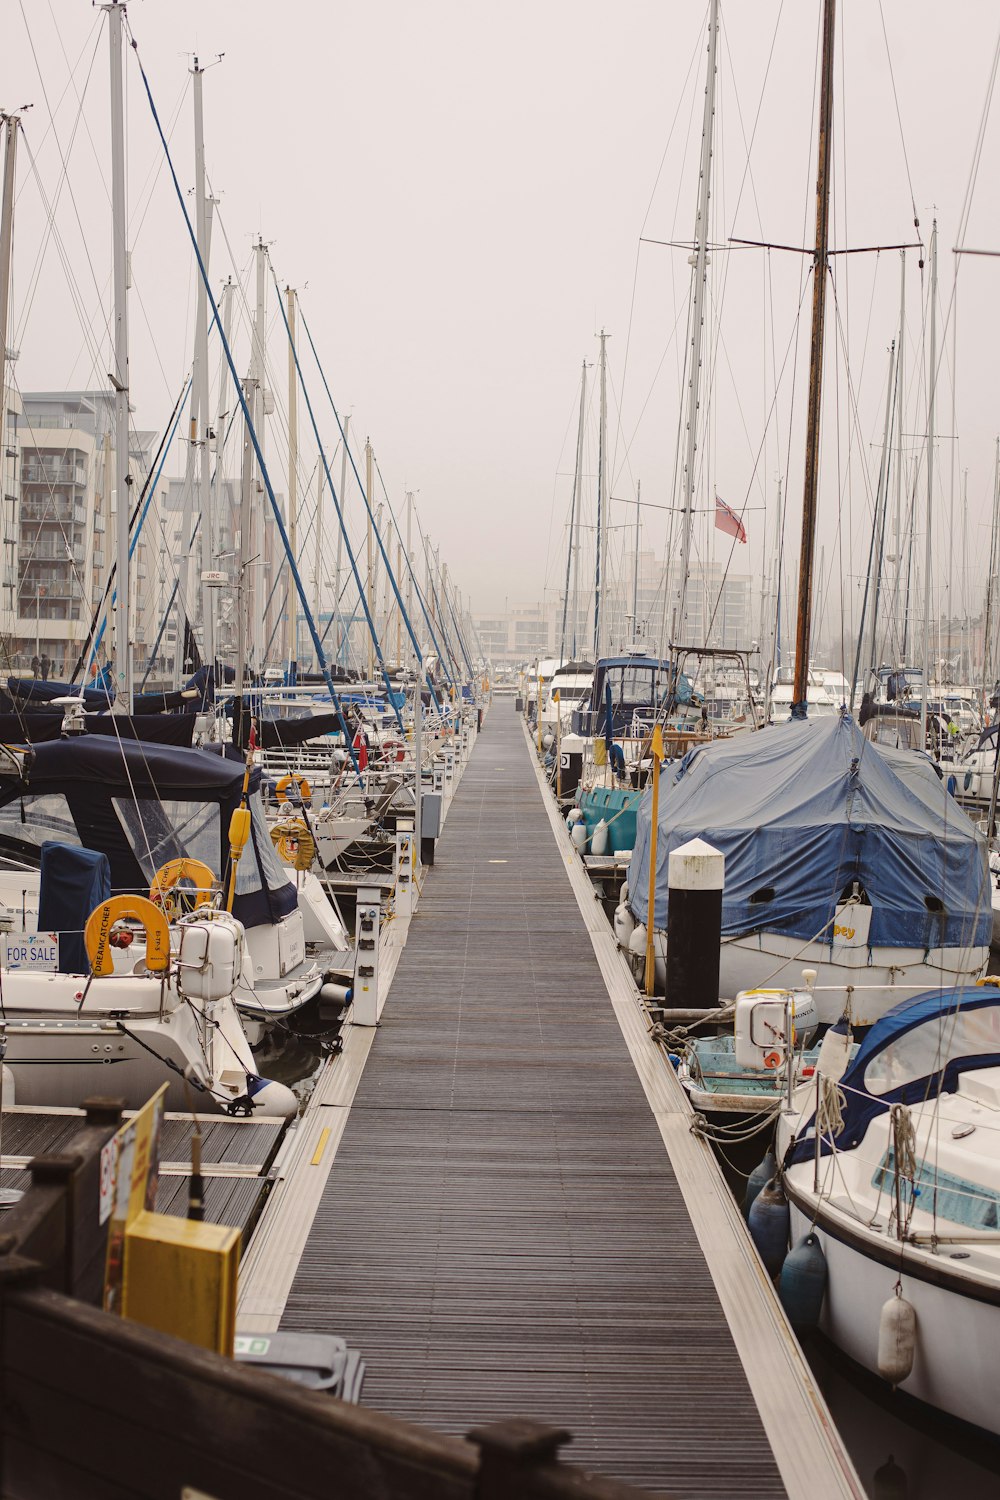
(918,1050)
(802,811)
(142,805)
(634,686)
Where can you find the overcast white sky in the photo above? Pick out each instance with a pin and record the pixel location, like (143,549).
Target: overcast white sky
(459,191)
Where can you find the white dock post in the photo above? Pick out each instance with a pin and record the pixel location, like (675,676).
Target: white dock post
(403,868)
(366,953)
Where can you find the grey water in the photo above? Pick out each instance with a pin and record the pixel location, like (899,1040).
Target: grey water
(901,1449)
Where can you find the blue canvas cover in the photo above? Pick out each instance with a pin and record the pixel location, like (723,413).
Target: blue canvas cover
(90,772)
(948,1049)
(29,690)
(802,809)
(73,882)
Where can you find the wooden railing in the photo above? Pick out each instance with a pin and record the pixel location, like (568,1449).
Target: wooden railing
(98,1408)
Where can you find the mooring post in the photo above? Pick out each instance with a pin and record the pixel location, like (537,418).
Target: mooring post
(695,877)
(510,1452)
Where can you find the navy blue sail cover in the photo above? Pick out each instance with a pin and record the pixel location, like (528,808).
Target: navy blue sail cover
(141,804)
(918,1050)
(801,810)
(73,882)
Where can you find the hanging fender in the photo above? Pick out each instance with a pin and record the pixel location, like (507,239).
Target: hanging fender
(299,782)
(168,876)
(97,933)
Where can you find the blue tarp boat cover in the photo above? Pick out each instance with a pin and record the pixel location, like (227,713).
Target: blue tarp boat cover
(73,882)
(801,810)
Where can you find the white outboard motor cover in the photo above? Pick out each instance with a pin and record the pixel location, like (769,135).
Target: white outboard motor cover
(210,956)
(763,1019)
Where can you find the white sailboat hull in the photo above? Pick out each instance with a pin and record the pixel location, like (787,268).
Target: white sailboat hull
(872,980)
(956,1365)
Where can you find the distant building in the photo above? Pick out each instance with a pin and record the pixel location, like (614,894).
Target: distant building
(59,561)
(718,612)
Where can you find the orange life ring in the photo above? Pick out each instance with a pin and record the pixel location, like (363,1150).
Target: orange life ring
(300,782)
(97,933)
(772,1060)
(168,876)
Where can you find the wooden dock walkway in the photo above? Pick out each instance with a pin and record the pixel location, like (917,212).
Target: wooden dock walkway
(502,1231)
(237,1155)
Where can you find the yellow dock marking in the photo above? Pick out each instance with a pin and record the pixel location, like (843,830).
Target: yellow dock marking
(317,1156)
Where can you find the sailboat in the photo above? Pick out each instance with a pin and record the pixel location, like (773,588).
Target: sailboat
(891,1172)
(841,857)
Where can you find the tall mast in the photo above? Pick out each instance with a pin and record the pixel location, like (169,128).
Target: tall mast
(119,379)
(340,529)
(989,656)
(409,553)
(635,575)
(291,615)
(254,553)
(320,477)
(573,559)
(245,570)
(876,546)
(899,441)
(8,579)
(199,392)
(884,497)
(820,266)
(699,260)
(600,548)
(370,580)
(222,409)
(931,393)
(579,482)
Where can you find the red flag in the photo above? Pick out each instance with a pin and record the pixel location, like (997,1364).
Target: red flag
(361,746)
(728,521)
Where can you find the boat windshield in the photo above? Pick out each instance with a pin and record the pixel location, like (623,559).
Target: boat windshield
(159,831)
(635,686)
(927,1049)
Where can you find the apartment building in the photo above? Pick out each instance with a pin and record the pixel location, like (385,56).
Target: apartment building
(58,565)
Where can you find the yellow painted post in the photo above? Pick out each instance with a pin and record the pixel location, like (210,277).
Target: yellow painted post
(656,751)
(538,705)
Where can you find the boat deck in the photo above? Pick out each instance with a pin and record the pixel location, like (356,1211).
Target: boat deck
(502,1231)
(236,1154)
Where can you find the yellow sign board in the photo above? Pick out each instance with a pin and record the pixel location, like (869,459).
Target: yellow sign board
(130,1168)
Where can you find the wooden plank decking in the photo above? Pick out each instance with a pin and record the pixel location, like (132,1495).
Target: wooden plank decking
(502,1232)
(236,1155)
